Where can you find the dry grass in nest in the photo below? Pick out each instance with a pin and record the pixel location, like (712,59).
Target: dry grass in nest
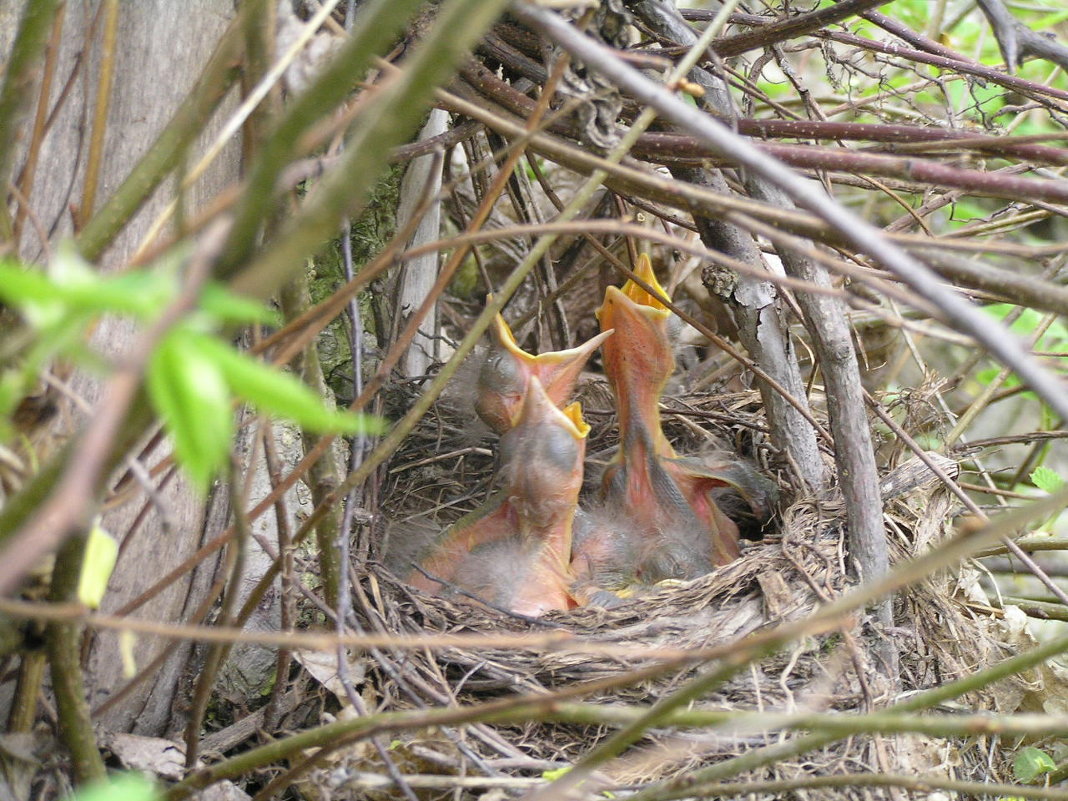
(799,563)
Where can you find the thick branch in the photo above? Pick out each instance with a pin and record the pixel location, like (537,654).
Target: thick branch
(861,235)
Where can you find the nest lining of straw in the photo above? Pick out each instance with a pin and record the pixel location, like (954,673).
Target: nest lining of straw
(798,562)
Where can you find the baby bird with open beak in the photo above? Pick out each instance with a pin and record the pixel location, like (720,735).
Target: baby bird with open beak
(502,382)
(514,553)
(675,529)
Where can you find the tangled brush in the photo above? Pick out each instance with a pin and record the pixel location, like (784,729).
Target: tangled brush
(663,642)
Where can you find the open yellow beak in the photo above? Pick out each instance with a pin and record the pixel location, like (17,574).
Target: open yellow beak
(638,358)
(502,383)
(641,296)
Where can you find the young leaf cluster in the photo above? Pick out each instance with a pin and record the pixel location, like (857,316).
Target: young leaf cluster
(193,376)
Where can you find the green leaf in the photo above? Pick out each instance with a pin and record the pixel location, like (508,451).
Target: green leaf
(31,293)
(72,286)
(45,300)
(121,787)
(190,394)
(226,306)
(280,394)
(1046,479)
(101,553)
(139,293)
(19,285)
(1030,763)
(136,294)
(75,283)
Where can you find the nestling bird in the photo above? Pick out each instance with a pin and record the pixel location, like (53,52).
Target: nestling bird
(674,528)
(502,382)
(515,551)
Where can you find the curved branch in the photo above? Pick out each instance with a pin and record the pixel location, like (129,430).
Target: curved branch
(863,236)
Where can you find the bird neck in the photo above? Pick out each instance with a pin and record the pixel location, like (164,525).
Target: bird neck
(639,423)
(552,538)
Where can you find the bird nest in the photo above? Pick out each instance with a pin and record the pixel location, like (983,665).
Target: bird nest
(647,648)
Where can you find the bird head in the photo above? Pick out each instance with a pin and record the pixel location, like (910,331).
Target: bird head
(502,382)
(638,358)
(641,348)
(542,458)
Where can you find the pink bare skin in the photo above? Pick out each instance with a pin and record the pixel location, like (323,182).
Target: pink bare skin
(666,498)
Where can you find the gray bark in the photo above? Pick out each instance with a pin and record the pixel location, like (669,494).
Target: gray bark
(421,181)
(160,50)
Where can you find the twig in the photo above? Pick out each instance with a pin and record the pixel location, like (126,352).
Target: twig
(860,234)
(219,651)
(374,782)
(287,618)
(826,319)
(628,180)
(930,52)
(15,93)
(969,504)
(151,668)
(323,312)
(236,120)
(1041,610)
(340,550)
(1030,544)
(165,153)
(29,168)
(100,110)
(761,327)
(791,27)
(920,701)
(332,736)
(917,784)
(68,683)
(23,710)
